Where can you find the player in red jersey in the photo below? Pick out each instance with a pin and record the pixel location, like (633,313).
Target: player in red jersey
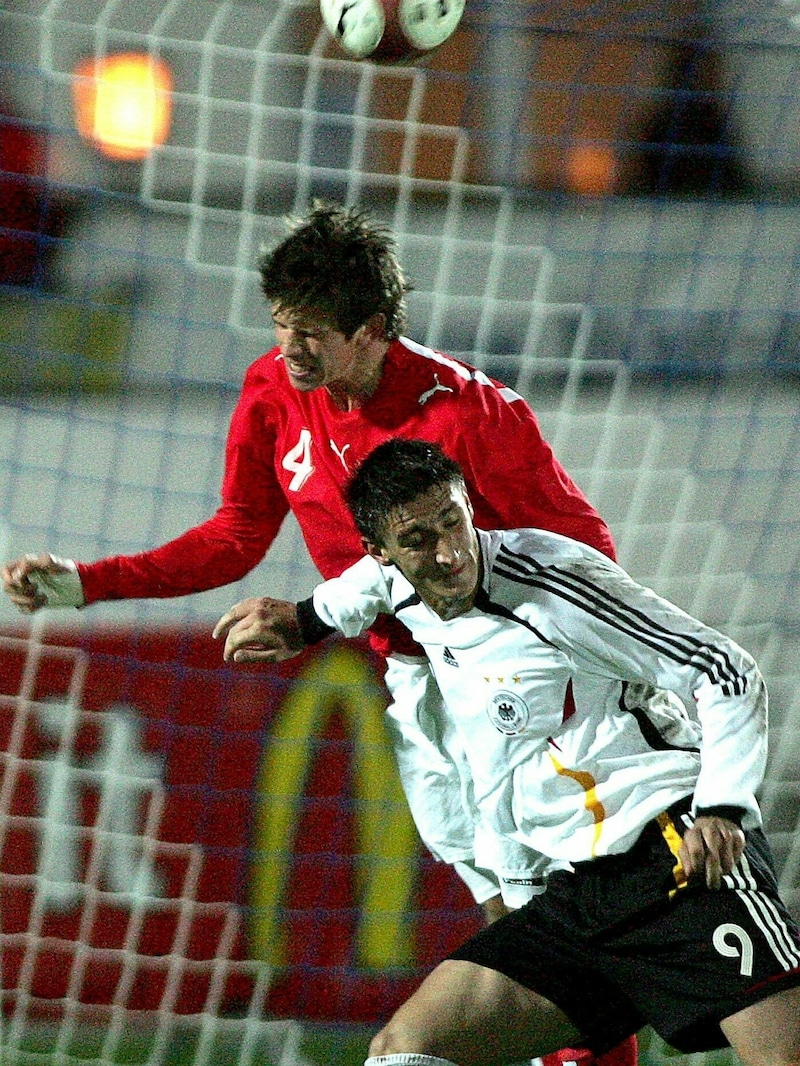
(340,381)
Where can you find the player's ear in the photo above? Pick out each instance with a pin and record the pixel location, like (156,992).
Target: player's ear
(376,551)
(373,329)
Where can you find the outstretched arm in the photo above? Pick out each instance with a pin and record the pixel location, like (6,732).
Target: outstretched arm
(214,553)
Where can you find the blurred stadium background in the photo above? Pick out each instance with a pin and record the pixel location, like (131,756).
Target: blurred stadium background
(596,202)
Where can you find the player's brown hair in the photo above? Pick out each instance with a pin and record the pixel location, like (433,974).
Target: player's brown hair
(340,264)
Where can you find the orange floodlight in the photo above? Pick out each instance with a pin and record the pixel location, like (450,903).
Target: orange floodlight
(592,169)
(123,103)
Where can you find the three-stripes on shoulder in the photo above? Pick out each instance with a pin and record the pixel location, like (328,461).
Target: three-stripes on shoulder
(588,595)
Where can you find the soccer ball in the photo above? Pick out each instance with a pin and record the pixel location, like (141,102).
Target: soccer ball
(391,31)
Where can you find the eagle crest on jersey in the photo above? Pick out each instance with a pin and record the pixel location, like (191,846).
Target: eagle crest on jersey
(508,712)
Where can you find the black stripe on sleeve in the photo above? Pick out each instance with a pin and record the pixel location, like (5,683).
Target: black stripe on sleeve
(587,596)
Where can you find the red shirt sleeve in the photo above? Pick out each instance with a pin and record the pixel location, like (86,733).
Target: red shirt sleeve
(228,545)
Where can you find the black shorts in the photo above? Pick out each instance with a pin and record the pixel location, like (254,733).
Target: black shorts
(625,941)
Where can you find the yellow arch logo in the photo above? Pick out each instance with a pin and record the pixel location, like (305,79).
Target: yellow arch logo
(386,838)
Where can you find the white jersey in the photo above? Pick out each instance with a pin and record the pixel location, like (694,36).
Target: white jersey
(585,703)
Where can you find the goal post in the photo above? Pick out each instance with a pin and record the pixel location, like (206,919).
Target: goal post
(595,204)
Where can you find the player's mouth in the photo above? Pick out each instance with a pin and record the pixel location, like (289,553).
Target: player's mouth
(301,371)
(453,577)
(455,571)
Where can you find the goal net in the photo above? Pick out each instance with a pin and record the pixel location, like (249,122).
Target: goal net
(596,204)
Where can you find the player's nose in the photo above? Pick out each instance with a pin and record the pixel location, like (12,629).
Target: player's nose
(447,552)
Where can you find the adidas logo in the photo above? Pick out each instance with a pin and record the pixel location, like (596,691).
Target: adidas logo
(449,658)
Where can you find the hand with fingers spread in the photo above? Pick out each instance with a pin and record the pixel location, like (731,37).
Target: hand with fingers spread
(711,848)
(42,580)
(260,630)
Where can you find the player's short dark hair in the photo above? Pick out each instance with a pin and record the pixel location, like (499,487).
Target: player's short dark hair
(338,263)
(392,475)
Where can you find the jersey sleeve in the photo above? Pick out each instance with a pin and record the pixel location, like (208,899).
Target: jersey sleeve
(607,623)
(226,546)
(483,884)
(430,757)
(350,603)
(513,476)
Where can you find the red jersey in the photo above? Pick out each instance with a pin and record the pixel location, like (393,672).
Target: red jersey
(291,450)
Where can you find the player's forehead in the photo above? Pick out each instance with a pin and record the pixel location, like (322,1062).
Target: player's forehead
(306,319)
(427,509)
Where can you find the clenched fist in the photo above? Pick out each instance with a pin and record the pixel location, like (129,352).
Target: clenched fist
(260,630)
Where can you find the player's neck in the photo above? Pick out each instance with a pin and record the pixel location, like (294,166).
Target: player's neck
(355,389)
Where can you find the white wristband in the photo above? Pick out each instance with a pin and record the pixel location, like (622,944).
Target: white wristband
(63,589)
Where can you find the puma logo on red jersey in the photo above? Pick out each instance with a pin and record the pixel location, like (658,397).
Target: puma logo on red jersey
(438,387)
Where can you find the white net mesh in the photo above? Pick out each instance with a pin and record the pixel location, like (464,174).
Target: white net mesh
(540,215)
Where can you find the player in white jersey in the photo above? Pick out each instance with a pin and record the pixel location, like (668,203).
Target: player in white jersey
(614,741)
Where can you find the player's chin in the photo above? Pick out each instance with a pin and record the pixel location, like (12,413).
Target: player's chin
(458,584)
